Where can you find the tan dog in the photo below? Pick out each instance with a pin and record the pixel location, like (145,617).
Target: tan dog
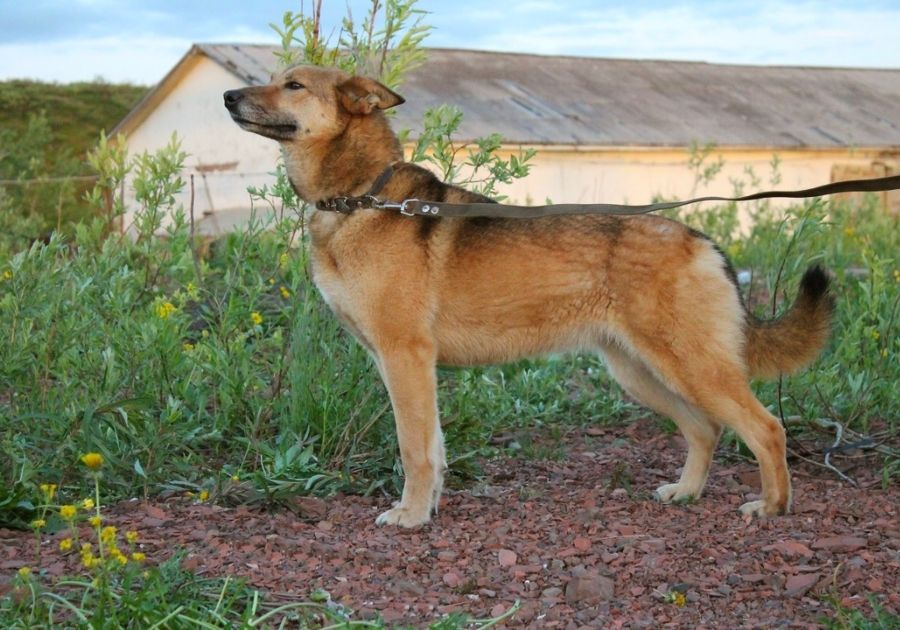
(658,299)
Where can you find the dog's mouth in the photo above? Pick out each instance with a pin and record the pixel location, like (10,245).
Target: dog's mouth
(276,131)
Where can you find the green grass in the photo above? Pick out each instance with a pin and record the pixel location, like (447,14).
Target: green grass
(76,112)
(853,619)
(46,130)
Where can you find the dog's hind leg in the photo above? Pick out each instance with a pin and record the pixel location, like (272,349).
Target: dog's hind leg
(701,434)
(409,372)
(717,386)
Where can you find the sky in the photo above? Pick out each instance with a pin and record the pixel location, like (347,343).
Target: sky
(139,42)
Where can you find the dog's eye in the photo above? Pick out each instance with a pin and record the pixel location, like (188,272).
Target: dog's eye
(293,85)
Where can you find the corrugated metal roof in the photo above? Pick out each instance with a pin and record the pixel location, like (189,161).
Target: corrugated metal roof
(533,99)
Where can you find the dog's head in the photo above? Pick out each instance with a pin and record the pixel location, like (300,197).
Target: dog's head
(307,103)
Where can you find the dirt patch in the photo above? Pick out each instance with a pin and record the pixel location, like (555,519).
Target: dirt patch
(579,541)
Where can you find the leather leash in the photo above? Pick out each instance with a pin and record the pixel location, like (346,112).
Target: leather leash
(417,207)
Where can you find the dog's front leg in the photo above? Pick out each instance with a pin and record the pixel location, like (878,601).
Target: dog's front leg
(409,372)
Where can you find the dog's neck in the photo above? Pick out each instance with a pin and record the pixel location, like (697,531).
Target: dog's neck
(347,164)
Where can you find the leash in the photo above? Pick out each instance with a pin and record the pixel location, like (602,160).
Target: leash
(417,207)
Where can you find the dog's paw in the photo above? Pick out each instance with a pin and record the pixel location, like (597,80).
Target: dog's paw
(403,517)
(760,508)
(674,493)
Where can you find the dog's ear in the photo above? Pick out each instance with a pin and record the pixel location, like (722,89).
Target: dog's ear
(360,95)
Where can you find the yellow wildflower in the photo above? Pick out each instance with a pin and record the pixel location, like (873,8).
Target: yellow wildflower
(38,523)
(89,561)
(283,260)
(191,290)
(108,534)
(92,460)
(204,495)
(7,275)
(235,477)
(87,504)
(67,512)
(256,318)
(49,489)
(120,558)
(131,536)
(187,347)
(165,310)
(86,548)
(272,281)
(65,544)
(24,572)
(95,521)
(876,335)
(137,556)
(285,292)
(204,333)
(679,599)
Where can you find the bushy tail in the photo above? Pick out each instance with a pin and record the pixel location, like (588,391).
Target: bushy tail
(792,341)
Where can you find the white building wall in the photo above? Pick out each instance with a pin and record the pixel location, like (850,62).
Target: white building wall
(637,176)
(223,158)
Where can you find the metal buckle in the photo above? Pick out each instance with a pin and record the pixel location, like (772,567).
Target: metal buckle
(404,210)
(404,206)
(391,205)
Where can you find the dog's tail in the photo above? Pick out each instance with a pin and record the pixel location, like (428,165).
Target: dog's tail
(792,341)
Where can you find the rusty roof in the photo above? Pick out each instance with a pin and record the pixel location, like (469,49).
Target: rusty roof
(536,99)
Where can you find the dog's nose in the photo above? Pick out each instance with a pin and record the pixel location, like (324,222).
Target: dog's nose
(232,97)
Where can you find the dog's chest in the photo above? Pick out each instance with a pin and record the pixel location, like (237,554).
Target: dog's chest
(330,277)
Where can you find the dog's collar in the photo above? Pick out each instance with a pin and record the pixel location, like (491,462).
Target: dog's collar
(346,205)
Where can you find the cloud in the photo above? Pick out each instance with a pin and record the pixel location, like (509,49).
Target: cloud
(115,59)
(809,33)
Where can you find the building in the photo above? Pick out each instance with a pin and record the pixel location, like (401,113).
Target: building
(611,130)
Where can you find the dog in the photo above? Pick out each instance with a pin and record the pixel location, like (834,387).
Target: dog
(656,298)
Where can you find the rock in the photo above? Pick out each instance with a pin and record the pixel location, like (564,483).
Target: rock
(798,585)
(452,579)
(407,587)
(589,590)
(790,549)
(840,544)
(311,508)
(507,558)
(551,593)
(155,512)
(876,585)
(581,543)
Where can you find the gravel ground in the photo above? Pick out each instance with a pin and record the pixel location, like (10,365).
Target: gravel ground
(577,540)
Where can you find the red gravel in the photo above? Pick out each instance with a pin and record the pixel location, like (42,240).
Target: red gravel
(578,541)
